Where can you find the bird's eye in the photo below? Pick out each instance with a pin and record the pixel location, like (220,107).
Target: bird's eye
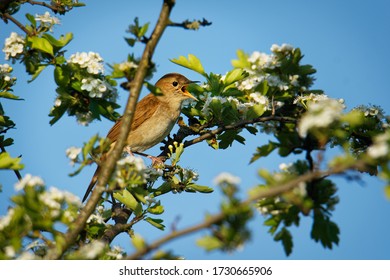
(175,83)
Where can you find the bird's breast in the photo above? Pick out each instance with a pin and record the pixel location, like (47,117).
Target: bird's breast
(153,130)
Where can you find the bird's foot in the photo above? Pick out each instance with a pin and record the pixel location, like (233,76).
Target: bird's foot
(157,162)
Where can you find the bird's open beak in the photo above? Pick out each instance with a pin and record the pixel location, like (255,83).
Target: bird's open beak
(186,92)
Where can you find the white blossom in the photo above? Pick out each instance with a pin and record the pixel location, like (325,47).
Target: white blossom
(95,218)
(13,46)
(84,118)
(28,180)
(47,20)
(92,61)
(320,114)
(127,65)
(227,178)
(380,147)
(5,220)
(281,49)
(92,250)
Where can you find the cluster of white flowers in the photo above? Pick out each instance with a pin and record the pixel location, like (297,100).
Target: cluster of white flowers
(95,87)
(72,153)
(54,198)
(260,60)
(5,220)
(320,114)
(190,175)
(284,48)
(135,165)
(381,146)
(255,98)
(270,209)
(254,79)
(92,61)
(116,252)
(13,45)
(93,249)
(305,100)
(226,178)
(29,180)
(97,217)
(5,69)
(47,20)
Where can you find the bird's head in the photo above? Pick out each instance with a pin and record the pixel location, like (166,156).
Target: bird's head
(174,87)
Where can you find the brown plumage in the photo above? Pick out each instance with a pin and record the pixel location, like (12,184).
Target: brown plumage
(154,118)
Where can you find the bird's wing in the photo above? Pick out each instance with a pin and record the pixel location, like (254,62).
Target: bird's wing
(144,110)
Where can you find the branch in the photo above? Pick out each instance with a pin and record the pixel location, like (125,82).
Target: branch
(194,25)
(219,217)
(7,16)
(109,165)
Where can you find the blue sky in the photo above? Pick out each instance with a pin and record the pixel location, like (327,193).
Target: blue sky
(346,41)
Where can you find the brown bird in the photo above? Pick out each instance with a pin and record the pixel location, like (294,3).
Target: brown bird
(154,118)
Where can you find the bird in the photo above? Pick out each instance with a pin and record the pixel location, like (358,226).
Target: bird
(154,117)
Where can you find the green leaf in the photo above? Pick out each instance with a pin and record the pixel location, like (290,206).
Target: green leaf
(324,230)
(38,71)
(199,188)
(57,112)
(285,236)
(209,243)
(8,162)
(41,44)
(234,76)
(264,151)
(31,19)
(129,200)
(138,242)
(61,42)
(256,111)
(192,63)
(156,209)
(89,146)
(242,61)
(157,223)
(9,95)
(61,76)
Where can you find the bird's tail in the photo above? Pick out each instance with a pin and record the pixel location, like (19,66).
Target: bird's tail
(92,183)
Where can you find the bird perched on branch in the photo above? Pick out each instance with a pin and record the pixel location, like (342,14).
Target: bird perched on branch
(154,117)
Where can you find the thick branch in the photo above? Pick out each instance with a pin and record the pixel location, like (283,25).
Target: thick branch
(109,165)
(266,192)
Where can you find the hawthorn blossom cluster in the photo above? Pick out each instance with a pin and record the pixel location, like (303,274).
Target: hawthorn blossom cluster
(255,98)
(6,80)
(131,171)
(13,46)
(54,200)
(260,63)
(92,61)
(226,178)
(381,146)
(320,114)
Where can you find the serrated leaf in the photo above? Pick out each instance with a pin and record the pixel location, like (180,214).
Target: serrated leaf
(264,151)
(285,236)
(209,243)
(192,63)
(157,223)
(41,44)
